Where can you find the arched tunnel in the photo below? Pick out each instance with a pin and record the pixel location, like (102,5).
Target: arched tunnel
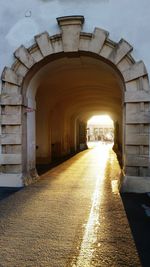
(66,91)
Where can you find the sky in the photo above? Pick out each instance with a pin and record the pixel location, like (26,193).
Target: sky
(20,20)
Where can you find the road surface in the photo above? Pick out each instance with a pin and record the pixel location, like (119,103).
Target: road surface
(72,217)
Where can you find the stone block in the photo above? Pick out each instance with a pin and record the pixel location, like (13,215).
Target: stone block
(132,149)
(9,88)
(10,76)
(12,129)
(10,159)
(132,171)
(21,70)
(124,64)
(44,44)
(36,53)
(11,180)
(10,139)
(24,56)
(71,28)
(106,50)
(57,43)
(137,117)
(132,86)
(10,119)
(12,168)
(133,129)
(137,139)
(12,109)
(120,51)
(137,96)
(12,149)
(98,40)
(135,71)
(137,161)
(14,99)
(136,184)
(85,39)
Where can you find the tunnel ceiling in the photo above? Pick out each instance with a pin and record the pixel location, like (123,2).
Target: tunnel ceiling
(82,86)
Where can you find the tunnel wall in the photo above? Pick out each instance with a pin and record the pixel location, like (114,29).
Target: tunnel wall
(14,102)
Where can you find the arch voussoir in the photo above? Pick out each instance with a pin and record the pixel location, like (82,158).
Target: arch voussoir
(71,28)
(97,41)
(122,49)
(9,75)
(135,71)
(44,43)
(24,57)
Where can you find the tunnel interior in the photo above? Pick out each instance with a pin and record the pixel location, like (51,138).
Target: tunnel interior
(63,94)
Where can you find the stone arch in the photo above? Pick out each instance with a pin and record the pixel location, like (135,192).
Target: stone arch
(72,40)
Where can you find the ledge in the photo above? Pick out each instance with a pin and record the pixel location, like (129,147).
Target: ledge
(70,20)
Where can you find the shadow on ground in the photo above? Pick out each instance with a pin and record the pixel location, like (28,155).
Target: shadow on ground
(7,191)
(41,169)
(139,223)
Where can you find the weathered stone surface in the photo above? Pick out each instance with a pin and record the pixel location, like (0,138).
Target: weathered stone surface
(57,43)
(137,96)
(10,159)
(97,41)
(9,180)
(137,117)
(11,119)
(12,149)
(21,70)
(132,86)
(106,50)
(71,28)
(137,160)
(70,20)
(10,138)
(9,88)
(24,56)
(124,64)
(12,109)
(44,43)
(136,184)
(12,129)
(14,99)
(137,139)
(132,149)
(132,171)
(10,76)
(37,55)
(12,168)
(120,51)
(137,70)
(85,39)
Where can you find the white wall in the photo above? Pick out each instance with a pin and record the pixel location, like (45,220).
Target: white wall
(20,20)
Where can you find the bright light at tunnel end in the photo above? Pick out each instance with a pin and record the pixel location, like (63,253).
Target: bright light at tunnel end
(101,119)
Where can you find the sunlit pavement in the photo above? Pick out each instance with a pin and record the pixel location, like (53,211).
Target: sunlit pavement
(73,217)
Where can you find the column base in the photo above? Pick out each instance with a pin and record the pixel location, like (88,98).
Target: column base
(18,179)
(135,184)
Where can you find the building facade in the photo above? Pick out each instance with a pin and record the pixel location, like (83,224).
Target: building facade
(57,74)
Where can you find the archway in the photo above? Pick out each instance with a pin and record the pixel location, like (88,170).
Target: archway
(131,110)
